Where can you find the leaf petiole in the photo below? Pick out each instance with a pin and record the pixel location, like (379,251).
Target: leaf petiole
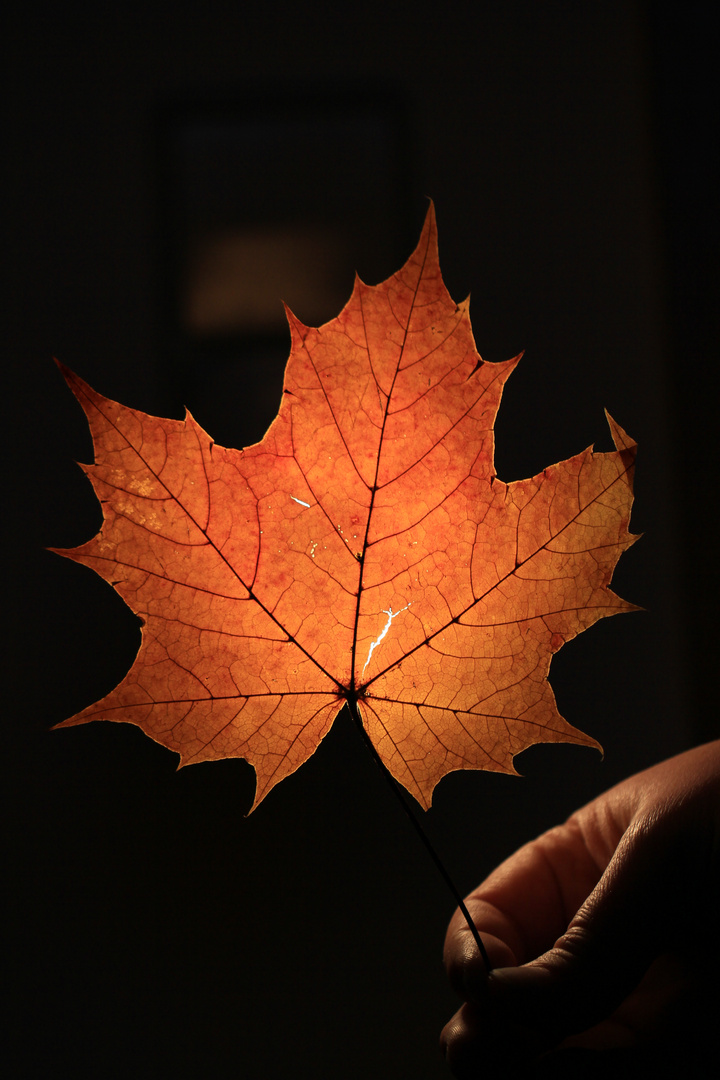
(355,713)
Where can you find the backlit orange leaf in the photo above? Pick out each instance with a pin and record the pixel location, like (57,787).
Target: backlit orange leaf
(364,551)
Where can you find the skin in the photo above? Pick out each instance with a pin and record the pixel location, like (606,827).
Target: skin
(603,932)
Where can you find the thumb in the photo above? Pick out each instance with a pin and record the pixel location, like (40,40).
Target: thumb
(609,944)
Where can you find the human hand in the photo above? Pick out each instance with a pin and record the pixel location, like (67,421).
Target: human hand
(628,890)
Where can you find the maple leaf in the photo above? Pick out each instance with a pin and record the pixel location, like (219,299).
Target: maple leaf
(364,552)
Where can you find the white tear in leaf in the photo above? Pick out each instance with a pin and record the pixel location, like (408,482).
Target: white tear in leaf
(391,615)
(299,501)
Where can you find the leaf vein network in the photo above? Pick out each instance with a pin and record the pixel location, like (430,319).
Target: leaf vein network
(220,554)
(335,421)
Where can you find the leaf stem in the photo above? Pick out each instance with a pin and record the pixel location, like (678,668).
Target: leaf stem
(390,779)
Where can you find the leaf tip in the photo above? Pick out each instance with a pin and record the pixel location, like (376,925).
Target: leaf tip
(429,230)
(297,326)
(620,437)
(67,373)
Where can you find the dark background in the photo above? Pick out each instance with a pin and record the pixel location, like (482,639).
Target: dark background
(154,930)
